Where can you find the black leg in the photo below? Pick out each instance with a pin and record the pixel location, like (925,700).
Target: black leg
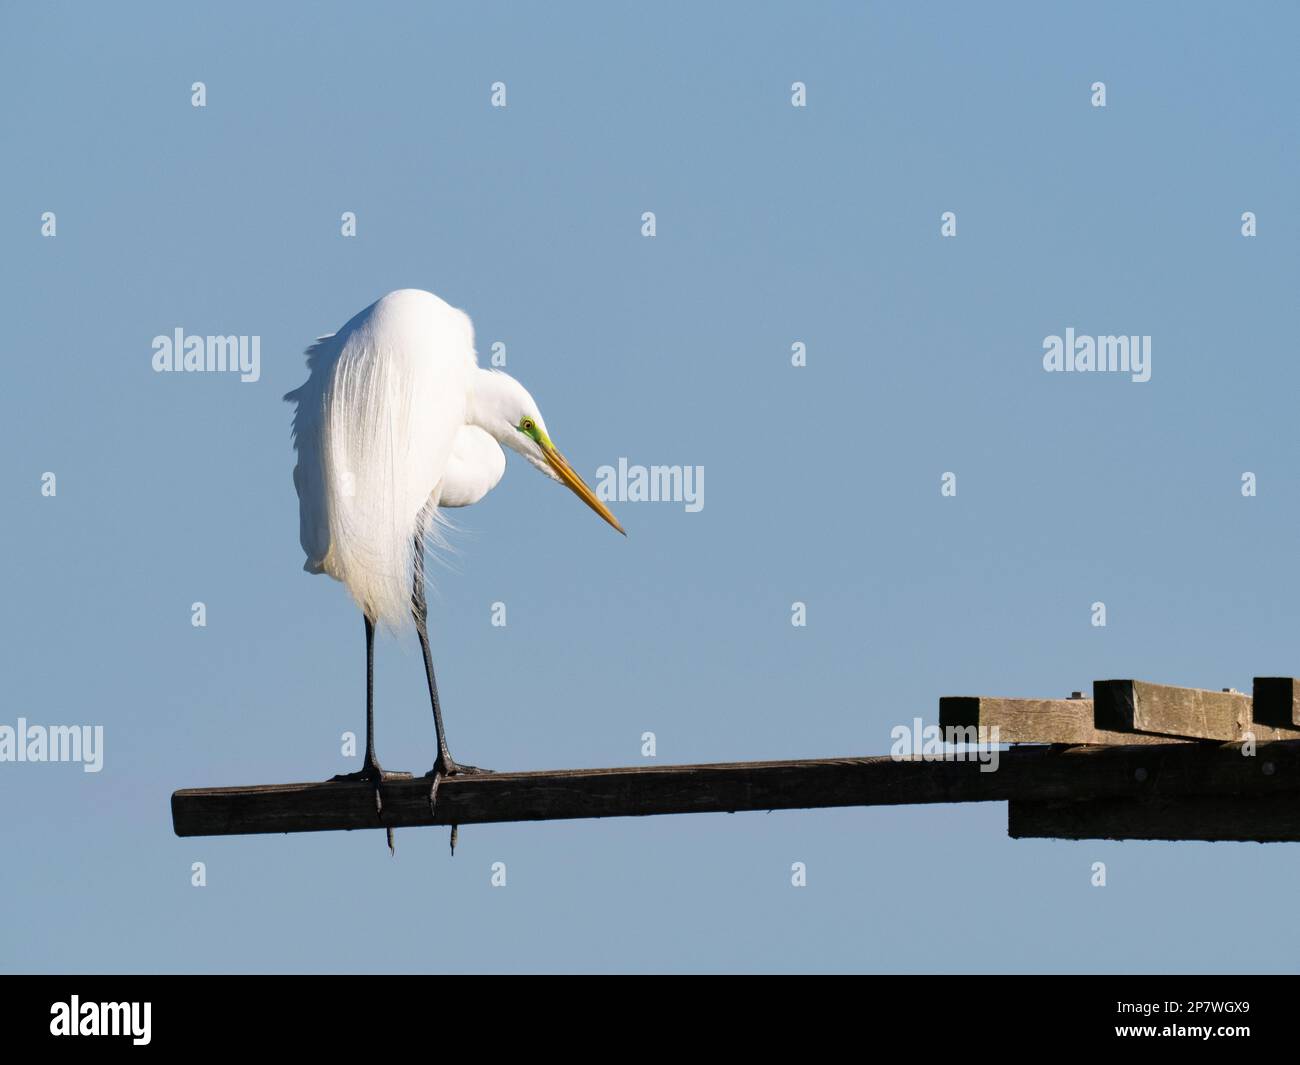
(444,765)
(372,773)
(372,763)
(420,611)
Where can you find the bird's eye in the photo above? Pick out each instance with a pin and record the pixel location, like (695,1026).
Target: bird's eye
(527,425)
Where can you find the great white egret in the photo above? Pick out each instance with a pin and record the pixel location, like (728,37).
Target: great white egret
(396,420)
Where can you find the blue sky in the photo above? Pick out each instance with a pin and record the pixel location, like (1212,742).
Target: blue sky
(775,224)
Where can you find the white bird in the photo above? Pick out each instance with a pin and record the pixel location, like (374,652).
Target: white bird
(396,420)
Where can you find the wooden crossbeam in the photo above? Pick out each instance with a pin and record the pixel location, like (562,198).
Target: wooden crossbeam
(1035,720)
(1210,818)
(1266,734)
(1196,713)
(1135,705)
(1023,773)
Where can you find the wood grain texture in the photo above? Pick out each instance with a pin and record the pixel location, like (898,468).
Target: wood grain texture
(1024,773)
(1210,818)
(1163,709)
(1035,720)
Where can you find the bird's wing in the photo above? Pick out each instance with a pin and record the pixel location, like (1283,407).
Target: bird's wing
(473,470)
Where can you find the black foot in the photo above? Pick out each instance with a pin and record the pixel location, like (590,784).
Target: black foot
(457,769)
(375,775)
(446,767)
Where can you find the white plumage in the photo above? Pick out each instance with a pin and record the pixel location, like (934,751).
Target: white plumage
(395,420)
(476,466)
(375,428)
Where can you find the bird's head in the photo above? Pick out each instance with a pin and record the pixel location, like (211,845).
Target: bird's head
(504,408)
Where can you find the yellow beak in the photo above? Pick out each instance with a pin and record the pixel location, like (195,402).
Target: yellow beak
(566,474)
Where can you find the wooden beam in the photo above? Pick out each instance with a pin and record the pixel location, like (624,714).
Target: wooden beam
(1211,818)
(1277,702)
(1135,705)
(1035,720)
(1023,773)
(1265,734)
(1165,710)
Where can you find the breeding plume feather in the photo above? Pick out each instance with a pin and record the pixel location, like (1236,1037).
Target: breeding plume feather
(375,427)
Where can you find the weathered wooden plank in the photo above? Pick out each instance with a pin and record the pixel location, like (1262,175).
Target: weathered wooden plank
(1265,734)
(1166,710)
(1031,773)
(1135,705)
(1035,720)
(1277,702)
(1212,818)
